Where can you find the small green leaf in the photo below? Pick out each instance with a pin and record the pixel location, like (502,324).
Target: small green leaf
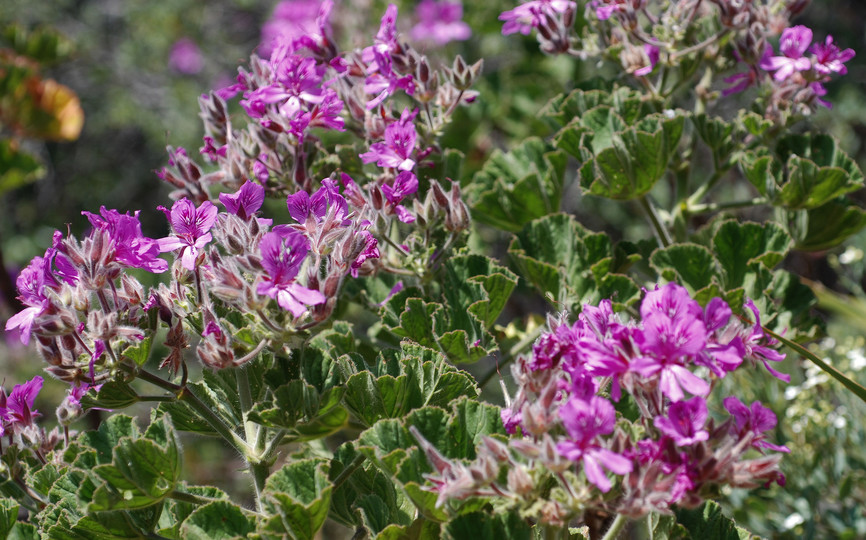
(708,521)
(557,255)
(514,188)
(688,264)
(475,525)
(112,395)
(737,245)
(826,226)
(216,521)
(8,516)
(420,529)
(298,497)
(635,160)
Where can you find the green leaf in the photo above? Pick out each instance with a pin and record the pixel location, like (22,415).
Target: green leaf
(420,529)
(826,226)
(666,528)
(636,159)
(298,497)
(737,245)
(140,352)
(23,531)
(217,520)
(708,522)
(688,264)
(513,189)
(815,172)
(142,471)
(112,395)
(419,377)
(717,134)
(475,525)
(108,436)
(8,516)
(475,285)
(556,255)
(754,123)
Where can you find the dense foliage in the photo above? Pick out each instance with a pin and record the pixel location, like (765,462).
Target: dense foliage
(344,249)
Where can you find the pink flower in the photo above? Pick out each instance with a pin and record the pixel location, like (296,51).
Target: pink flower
(191,229)
(652,53)
(829,59)
(399,144)
(16,411)
(440,22)
(685,422)
(532,14)
(244,202)
(585,421)
(132,248)
(291,19)
(282,257)
(792,45)
(756,420)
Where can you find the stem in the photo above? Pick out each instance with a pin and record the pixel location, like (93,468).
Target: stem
(698,46)
(704,189)
(661,233)
(213,420)
(851,385)
(246,399)
(714,207)
(158,399)
(615,528)
(347,472)
(260,472)
(190,498)
(185,393)
(268,322)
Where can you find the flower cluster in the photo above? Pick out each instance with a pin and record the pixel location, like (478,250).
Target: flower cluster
(641,34)
(673,453)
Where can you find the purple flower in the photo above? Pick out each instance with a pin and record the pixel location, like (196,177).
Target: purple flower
(210,149)
(325,203)
(18,412)
(652,53)
(244,202)
(672,301)
(291,19)
(440,22)
(282,257)
(191,226)
(685,422)
(399,144)
(829,59)
(30,282)
(132,248)
(370,251)
(327,113)
(585,421)
(185,57)
(757,345)
(532,14)
(756,420)
(792,45)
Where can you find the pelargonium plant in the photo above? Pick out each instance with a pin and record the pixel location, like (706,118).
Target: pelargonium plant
(317,260)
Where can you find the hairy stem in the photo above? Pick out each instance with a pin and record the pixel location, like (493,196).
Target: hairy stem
(661,233)
(616,527)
